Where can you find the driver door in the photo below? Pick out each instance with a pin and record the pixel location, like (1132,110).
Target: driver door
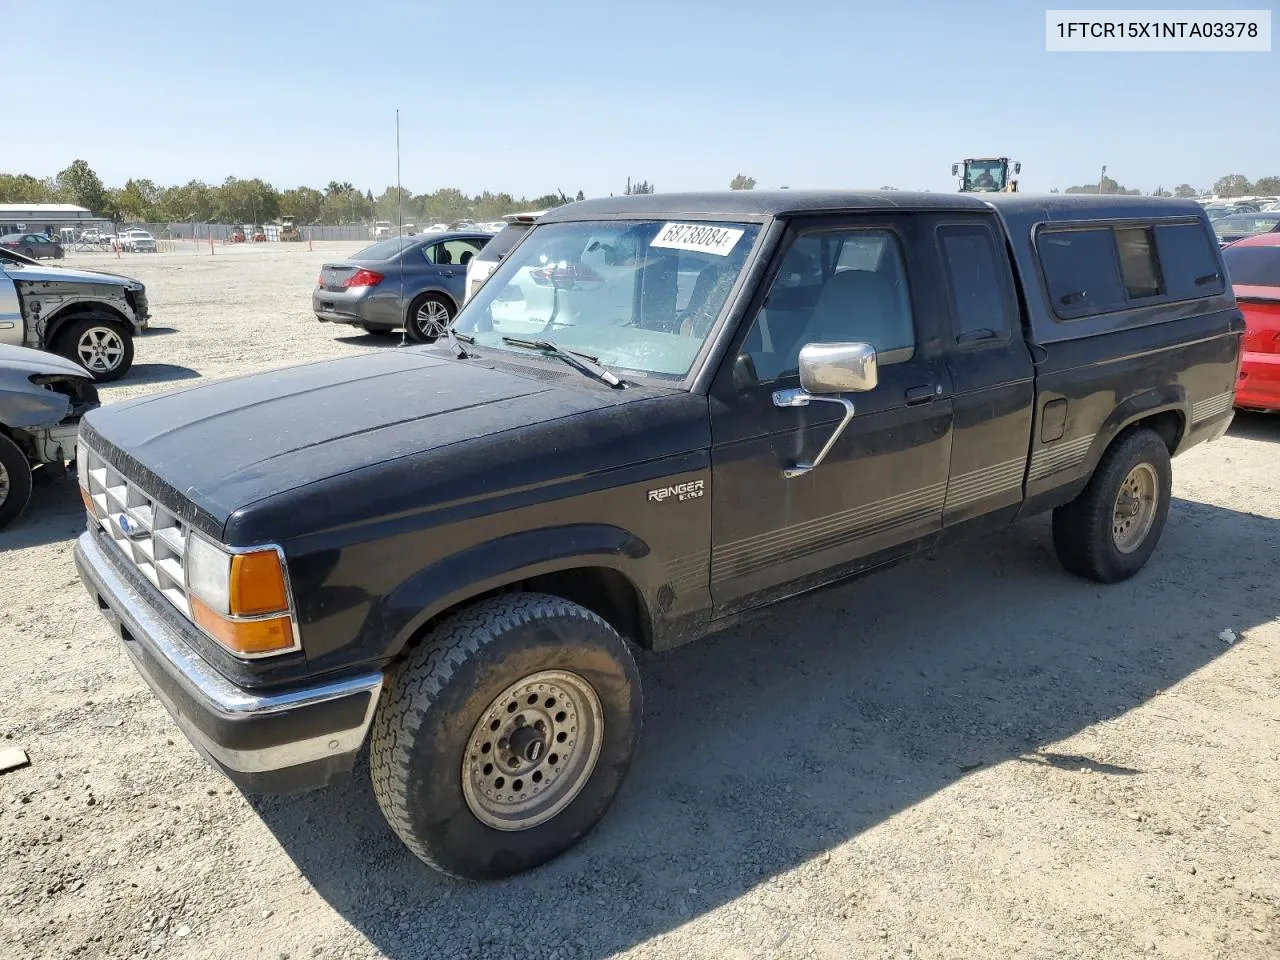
(879,493)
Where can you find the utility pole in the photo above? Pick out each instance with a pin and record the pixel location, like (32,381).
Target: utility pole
(1102,180)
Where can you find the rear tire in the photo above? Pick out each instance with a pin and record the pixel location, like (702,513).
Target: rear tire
(15,481)
(1110,530)
(103,347)
(503,738)
(428,317)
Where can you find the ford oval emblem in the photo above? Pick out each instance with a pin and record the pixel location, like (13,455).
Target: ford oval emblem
(130,527)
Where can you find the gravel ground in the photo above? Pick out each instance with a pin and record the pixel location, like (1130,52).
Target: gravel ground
(969,755)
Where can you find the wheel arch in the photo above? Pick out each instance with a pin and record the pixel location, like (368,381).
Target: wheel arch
(597,566)
(427,291)
(81,310)
(1166,410)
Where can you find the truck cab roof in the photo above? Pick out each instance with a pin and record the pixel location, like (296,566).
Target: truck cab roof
(763,204)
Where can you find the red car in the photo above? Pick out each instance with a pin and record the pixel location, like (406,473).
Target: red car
(1254,266)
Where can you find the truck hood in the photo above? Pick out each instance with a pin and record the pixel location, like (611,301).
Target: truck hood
(17,271)
(232,443)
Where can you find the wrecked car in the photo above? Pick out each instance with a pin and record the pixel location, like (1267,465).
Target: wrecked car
(87,316)
(42,399)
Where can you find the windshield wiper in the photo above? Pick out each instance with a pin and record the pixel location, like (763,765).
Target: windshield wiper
(456,340)
(582,361)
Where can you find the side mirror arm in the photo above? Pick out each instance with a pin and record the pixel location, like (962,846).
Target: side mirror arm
(798,397)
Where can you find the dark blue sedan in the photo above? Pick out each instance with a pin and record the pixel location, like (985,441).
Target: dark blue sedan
(414,282)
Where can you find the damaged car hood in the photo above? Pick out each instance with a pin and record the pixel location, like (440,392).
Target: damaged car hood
(25,404)
(46,274)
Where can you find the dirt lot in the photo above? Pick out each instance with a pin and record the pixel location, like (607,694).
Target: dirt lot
(973,755)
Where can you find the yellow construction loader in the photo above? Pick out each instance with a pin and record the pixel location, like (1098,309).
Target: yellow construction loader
(987,175)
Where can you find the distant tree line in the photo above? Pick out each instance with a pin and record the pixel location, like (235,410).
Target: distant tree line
(1232,185)
(256,201)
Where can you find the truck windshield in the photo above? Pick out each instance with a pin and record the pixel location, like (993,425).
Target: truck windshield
(638,296)
(984,175)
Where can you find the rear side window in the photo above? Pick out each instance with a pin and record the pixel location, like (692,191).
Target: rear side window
(1138,262)
(1082,271)
(503,241)
(1253,266)
(976,283)
(1188,259)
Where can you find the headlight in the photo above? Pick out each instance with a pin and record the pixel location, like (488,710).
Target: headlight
(82,477)
(240,599)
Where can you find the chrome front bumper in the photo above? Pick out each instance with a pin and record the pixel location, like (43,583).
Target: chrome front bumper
(277,741)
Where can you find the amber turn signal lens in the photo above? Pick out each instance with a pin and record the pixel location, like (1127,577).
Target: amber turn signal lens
(244,636)
(87,497)
(257,584)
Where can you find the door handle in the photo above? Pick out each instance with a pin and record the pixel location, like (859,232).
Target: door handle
(923,394)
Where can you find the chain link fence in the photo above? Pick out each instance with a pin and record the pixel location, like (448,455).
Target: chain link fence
(221,232)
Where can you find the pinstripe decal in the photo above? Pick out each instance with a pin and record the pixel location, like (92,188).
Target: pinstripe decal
(1212,406)
(687,572)
(966,488)
(753,553)
(1059,456)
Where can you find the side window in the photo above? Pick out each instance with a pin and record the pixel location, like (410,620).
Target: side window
(1188,260)
(1138,262)
(1081,269)
(456,251)
(834,286)
(980,299)
(430,251)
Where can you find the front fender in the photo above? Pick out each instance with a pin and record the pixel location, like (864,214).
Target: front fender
(497,563)
(79,309)
(25,405)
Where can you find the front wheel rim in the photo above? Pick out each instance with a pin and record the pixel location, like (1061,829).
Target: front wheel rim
(1135,508)
(533,750)
(432,320)
(4,484)
(100,349)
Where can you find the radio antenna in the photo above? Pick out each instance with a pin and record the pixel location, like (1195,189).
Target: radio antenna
(400,230)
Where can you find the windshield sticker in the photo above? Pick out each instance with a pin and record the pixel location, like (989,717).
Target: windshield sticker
(698,237)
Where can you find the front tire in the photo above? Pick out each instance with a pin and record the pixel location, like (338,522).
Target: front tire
(15,481)
(1110,530)
(428,317)
(504,737)
(103,347)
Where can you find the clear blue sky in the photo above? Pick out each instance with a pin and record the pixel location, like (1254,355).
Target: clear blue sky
(530,97)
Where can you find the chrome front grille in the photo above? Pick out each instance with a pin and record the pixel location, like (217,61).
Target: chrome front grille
(145,532)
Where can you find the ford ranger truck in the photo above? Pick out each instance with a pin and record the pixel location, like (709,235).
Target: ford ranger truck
(659,414)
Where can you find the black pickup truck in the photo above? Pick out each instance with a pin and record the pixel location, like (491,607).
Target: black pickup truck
(660,414)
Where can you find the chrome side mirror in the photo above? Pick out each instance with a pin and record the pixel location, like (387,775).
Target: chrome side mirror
(829,368)
(838,368)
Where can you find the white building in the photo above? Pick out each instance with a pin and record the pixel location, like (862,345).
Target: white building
(46,218)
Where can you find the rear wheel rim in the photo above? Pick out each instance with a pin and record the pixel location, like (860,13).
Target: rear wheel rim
(1135,508)
(432,319)
(4,484)
(100,349)
(532,750)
